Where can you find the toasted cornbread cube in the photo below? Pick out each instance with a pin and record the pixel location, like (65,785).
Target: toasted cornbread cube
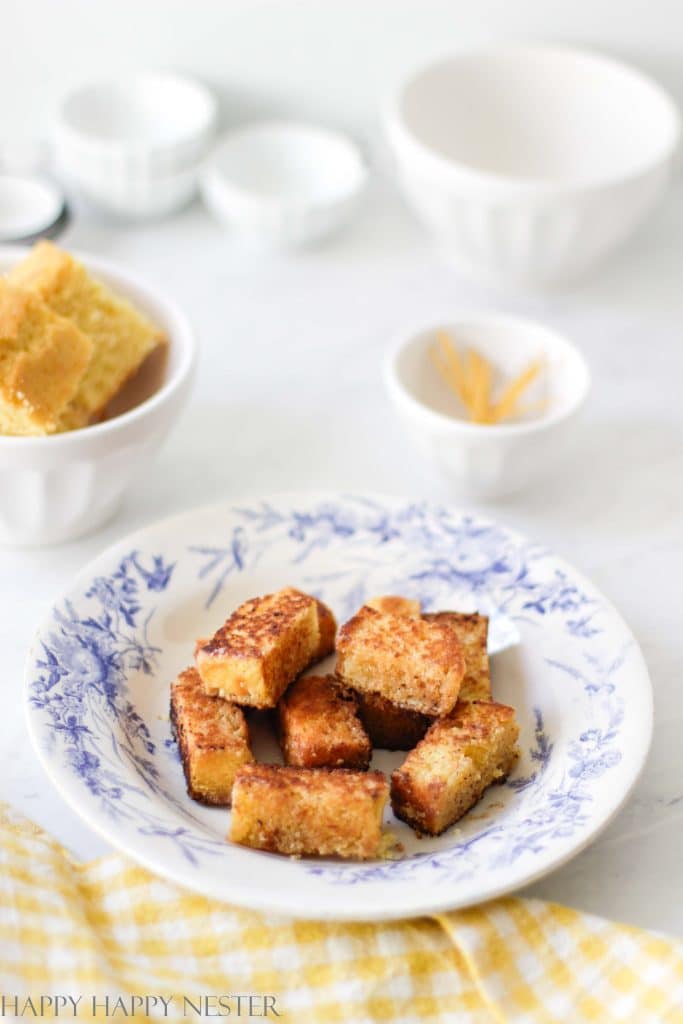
(314,811)
(327,625)
(121,336)
(416,664)
(43,358)
(394,605)
(263,647)
(213,739)
(472,632)
(448,771)
(319,726)
(389,726)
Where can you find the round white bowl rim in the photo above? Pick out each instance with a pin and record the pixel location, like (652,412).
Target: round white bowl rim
(188,351)
(489,430)
(41,190)
(214,177)
(547,186)
(204,125)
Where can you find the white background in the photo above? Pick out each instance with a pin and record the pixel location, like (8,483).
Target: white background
(289,391)
(316,58)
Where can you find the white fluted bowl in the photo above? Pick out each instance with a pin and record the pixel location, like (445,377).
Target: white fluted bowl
(531,163)
(284,184)
(53,489)
(485,462)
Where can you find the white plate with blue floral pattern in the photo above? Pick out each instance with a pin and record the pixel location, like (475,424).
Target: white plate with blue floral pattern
(98,680)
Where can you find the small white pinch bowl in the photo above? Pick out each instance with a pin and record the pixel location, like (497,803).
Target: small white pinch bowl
(133,146)
(489,461)
(531,163)
(54,489)
(29,207)
(283,183)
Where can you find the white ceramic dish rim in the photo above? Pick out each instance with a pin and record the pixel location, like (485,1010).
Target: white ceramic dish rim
(111,146)
(490,429)
(540,186)
(188,352)
(39,190)
(214,177)
(63,781)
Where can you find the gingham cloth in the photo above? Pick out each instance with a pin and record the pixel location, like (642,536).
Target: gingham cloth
(108,931)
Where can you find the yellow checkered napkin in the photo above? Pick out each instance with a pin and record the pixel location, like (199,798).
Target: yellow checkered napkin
(108,931)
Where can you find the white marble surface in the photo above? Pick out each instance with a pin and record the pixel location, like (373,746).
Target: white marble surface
(289,395)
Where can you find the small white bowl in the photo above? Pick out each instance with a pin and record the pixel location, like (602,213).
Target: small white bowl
(530,163)
(284,183)
(29,207)
(133,146)
(488,461)
(53,489)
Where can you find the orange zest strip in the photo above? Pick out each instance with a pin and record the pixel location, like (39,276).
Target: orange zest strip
(470,379)
(457,373)
(479,387)
(508,401)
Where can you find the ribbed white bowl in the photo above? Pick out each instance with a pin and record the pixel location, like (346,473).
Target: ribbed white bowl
(53,489)
(133,146)
(284,183)
(530,163)
(492,461)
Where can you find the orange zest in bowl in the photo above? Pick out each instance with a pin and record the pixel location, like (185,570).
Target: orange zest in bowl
(470,378)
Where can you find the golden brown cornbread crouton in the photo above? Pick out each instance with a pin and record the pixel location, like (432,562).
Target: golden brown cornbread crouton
(447,772)
(472,633)
(121,336)
(43,358)
(213,739)
(395,605)
(314,811)
(319,725)
(262,648)
(327,624)
(389,726)
(416,664)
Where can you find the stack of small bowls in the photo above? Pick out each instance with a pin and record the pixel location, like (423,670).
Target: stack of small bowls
(133,146)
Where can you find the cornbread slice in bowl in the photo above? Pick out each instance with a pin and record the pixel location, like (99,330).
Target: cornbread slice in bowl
(55,488)
(121,337)
(43,358)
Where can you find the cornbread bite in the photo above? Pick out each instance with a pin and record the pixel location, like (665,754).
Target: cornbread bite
(314,811)
(395,605)
(472,633)
(121,337)
(389,726)
(416,664)
(319,725)
(447,772)
(43,358)
(263,647)
(213,739)
(327,625)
